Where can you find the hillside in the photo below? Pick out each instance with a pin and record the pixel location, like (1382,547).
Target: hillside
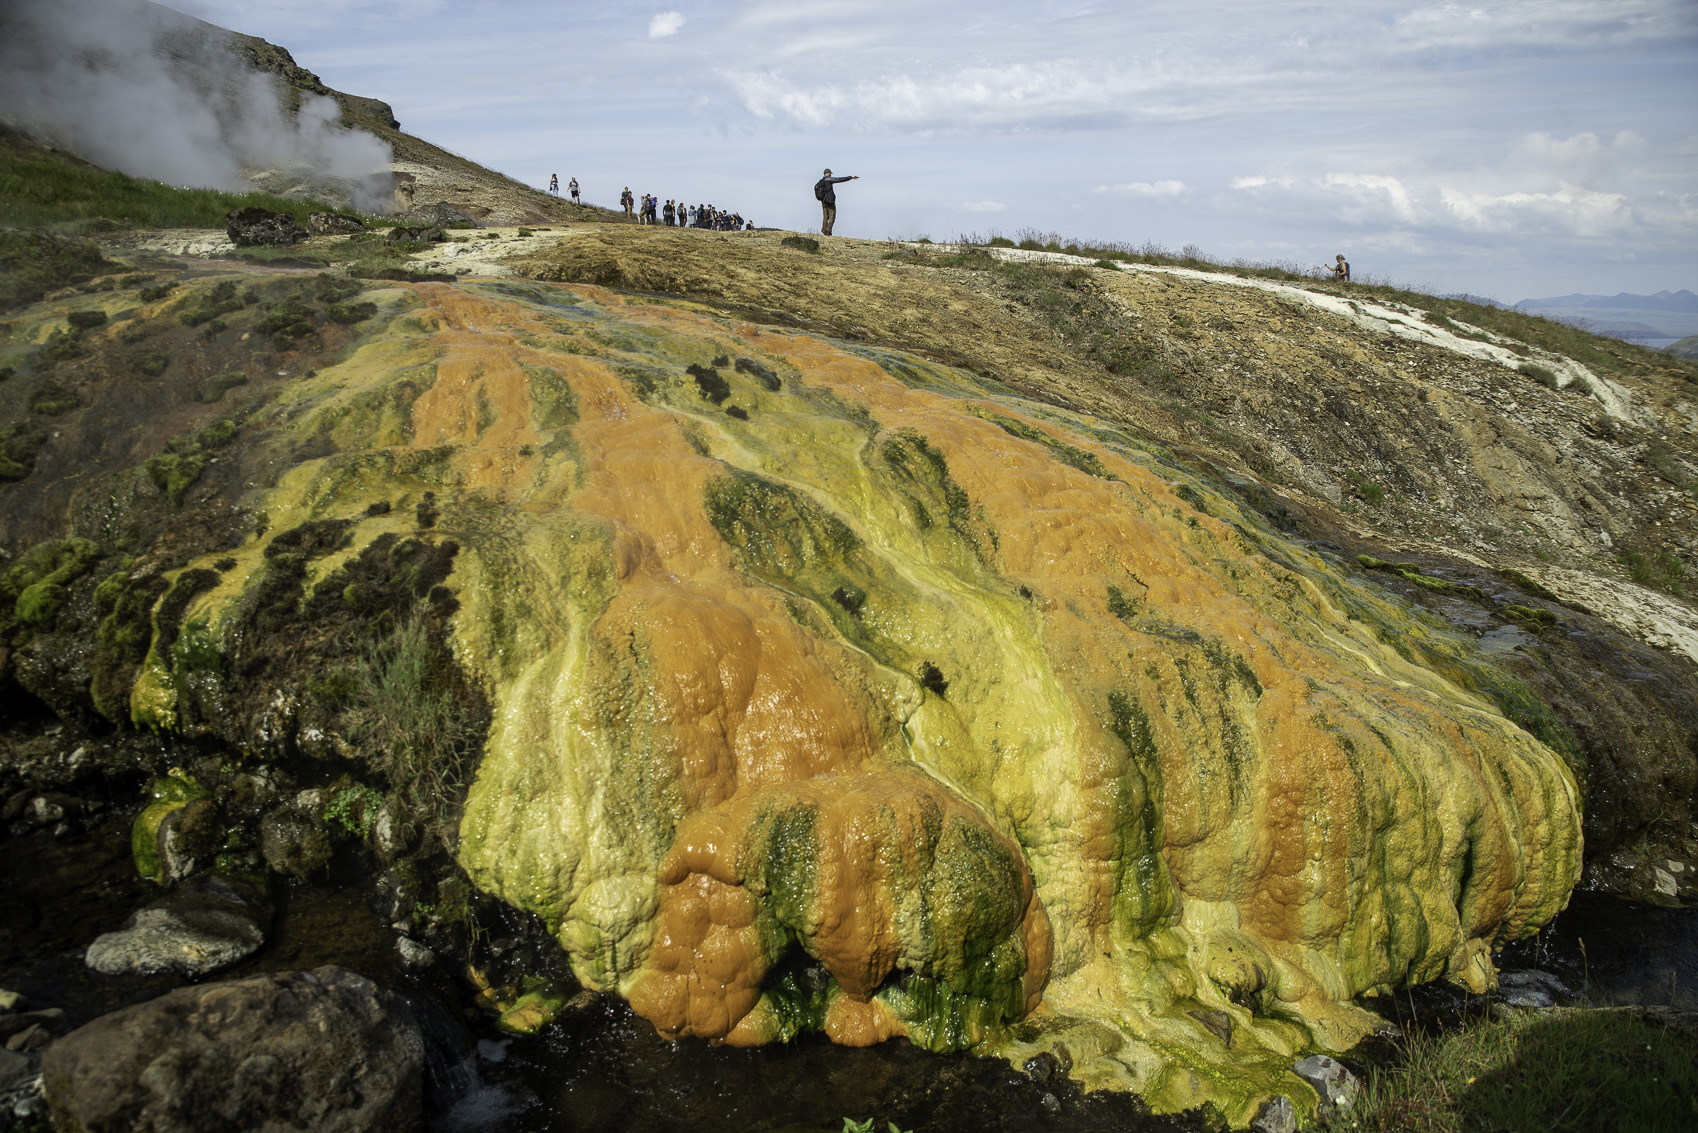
(1146,671)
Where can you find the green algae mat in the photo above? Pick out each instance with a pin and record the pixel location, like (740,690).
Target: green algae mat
(832,689)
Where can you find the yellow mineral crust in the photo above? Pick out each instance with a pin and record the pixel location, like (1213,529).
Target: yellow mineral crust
(900,705)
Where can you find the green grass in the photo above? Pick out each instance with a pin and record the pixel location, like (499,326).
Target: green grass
(408,712)
(42,188)
(1559,1071)
(1597,352)
(34,263)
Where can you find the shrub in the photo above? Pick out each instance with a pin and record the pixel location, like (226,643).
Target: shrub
(157,292)
(51,399)
(86,320)
(1109,264)
(347,314)
(216,389)
(803,243)
(1544,375)
(420,727)
(151,362)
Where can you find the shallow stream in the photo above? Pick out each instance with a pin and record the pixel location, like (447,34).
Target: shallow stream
(600,1068)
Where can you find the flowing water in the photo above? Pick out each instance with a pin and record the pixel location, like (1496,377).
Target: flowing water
(600,1068)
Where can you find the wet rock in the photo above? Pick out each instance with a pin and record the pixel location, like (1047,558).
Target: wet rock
(319,1050)
(391,836)
(334,224)
(209,923)
(188,840)
(1276,1115)
(1534,983)
(1042,1067)
(48,1022)
(16,1070)
(1528,997)
(294,846)
(413,954)
(250,226)
(169,793)
(1337,1086)
(1217,1023)
(12,1001)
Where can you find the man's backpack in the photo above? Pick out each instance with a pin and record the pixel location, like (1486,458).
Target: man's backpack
(821,188)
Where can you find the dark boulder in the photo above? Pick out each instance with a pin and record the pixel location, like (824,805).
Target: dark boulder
(250,226)
(420,235)
(334,224)
(325,1050)
(443,214)
(294,846)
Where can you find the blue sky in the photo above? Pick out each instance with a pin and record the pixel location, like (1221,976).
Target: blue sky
(1511,149)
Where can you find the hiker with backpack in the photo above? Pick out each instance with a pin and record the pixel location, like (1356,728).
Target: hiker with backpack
(572,187)
(554,184)
(1340,270)
(626,200)
(826,195)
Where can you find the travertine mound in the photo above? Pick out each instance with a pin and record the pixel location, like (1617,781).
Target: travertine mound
(837,689)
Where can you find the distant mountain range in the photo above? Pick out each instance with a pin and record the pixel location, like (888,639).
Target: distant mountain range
(1650,320)
(1682,300)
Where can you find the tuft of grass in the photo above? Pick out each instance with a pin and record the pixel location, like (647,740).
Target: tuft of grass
(1557,1071)
(1659,569)
(1544,375)
(409,710)
(801,243)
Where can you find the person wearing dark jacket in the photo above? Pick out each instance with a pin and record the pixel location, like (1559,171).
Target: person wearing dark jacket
(827,197)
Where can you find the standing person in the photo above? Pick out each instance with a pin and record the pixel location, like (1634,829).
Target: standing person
(668,213)
(1340,270)
(826,195)
(626,200)
(554,183)
(572,187)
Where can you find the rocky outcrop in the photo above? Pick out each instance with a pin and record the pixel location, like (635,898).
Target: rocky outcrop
(334,224)
(325,1050)
(250,226)
(207,924)
(833,687)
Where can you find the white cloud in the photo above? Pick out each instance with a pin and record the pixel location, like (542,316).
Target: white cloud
(983,206)
(664,24)
(1145,189)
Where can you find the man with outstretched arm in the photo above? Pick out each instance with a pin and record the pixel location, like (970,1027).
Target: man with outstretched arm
(827,197)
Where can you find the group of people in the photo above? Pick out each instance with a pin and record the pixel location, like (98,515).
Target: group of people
(677,214)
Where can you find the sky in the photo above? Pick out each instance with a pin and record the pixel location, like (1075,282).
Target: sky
(1505,148)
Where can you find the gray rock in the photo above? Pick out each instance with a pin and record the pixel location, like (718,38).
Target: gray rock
(334,224)
(414,954)
(12,1000)
(325,1050)
(294,846)
(250,226)
(424,234)
(1337,1086)
(390,835)
(51,1021)
(1531,979)
(1528,997)
(444,214)
(207,924)
(1276,1115)
(16,1070)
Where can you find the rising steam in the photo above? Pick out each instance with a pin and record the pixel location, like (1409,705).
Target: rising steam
(136,87)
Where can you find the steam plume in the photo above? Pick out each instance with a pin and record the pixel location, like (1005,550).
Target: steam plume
(140,88)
